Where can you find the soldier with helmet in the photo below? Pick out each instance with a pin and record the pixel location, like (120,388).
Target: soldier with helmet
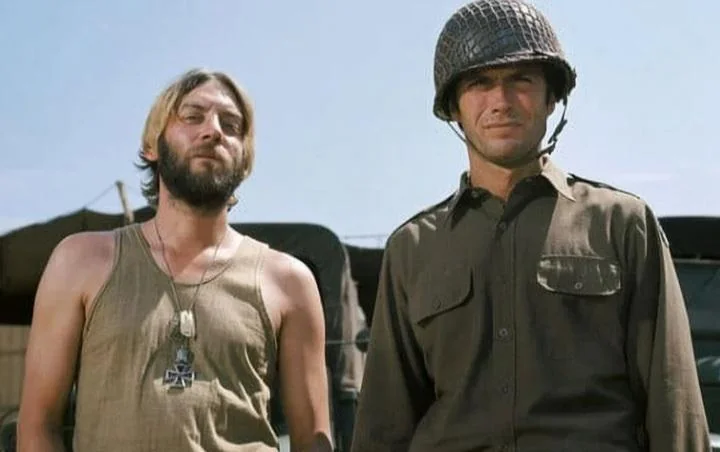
(532,309)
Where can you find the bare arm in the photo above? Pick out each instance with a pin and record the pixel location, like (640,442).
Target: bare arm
(53,345)
(660,349)
(303,377)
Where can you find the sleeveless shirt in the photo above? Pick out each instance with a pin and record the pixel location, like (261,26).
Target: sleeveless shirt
(122,403)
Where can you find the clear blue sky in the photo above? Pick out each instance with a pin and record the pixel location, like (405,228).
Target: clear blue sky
(343,91)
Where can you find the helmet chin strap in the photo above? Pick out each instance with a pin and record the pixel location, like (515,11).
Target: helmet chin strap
(552,141)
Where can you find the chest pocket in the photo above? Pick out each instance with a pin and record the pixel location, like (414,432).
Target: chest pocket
(579,275)
(440,293)
(578,318)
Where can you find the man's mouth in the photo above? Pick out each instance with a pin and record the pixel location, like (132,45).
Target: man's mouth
(502,125)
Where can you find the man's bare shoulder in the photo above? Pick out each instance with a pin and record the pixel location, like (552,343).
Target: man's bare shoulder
(287,270)
(87,247)
(81,260)
(292,280)
(77,266)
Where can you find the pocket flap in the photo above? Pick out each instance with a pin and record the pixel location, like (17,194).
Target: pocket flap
(440,293)
(579,275)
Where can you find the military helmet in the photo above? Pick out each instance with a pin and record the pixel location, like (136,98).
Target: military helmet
(489,33)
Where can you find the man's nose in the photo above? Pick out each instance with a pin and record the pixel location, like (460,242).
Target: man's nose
(499,97)
(212,129)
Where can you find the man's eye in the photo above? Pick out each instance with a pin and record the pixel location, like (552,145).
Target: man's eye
(232,127)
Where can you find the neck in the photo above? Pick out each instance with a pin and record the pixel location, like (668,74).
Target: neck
(188,230)
(500,180)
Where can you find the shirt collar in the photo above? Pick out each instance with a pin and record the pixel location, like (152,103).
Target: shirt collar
(558,178)
(465,189)
(551,172)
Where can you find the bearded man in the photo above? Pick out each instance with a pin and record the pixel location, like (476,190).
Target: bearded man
(176,329)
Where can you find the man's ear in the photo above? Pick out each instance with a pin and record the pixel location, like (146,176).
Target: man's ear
(150,153)
(453,100)
(552,102)
(455,115)
(454,110)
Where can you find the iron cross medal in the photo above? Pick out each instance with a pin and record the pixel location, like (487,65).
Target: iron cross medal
(181,375)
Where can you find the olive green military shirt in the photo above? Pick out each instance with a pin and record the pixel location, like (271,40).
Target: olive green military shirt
(553,322)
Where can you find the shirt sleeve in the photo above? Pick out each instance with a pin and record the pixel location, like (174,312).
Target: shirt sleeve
(396,390)
(660,349)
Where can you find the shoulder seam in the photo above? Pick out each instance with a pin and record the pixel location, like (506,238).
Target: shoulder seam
(599,184)
(420,213)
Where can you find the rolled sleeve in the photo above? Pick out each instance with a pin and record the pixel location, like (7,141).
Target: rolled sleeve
(660,350)
(395,388)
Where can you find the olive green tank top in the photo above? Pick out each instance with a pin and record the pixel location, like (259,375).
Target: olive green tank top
(123,403)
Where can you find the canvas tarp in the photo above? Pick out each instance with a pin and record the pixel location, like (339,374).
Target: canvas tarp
(365,263)
(693,237)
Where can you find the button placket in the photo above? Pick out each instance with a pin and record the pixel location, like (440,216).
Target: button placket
(501,269)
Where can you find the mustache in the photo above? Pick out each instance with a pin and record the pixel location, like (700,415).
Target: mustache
(507,119)
(208,151)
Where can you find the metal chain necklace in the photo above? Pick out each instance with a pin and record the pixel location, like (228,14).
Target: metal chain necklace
(181,375)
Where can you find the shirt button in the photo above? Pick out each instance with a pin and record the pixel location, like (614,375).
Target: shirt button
(578,285)
(502,226)
(503,333)
(437,304)
(505,388)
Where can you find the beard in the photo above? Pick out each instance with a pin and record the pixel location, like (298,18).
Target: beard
(205,191)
